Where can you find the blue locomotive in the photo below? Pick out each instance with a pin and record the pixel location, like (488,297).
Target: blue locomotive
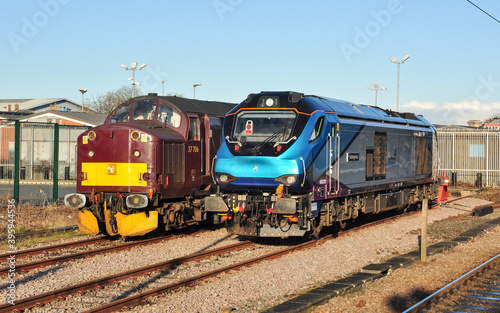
(291,164)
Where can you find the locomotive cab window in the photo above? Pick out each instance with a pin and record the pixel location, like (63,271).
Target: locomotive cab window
(121,114)
(263,126)
(167,115)
(144,110)
(317,129)
(193,129)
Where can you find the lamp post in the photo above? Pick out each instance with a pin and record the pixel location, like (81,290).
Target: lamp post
(162,87)
(376,88)
(194,89)
(395,60)
(133,68)
(82,91)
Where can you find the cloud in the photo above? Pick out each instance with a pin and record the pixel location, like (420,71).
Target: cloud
(452,113)
(426,105)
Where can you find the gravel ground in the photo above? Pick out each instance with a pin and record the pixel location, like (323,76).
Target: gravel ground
(269,283)
(407,286)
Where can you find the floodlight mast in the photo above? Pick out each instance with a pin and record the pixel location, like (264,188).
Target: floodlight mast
(376,88)
(194,89)
(133,68)
(395,60)
(82,91)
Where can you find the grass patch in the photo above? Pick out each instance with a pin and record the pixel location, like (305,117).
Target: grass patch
(28,242)
(29,217)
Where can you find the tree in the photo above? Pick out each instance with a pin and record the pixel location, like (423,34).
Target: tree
(110,100)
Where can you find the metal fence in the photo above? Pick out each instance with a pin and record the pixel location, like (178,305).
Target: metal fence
(37,151)
(472,155)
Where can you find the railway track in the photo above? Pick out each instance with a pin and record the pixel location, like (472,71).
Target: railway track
(476,291)
(79,255)
(67,245)
(44,298)
(137,299)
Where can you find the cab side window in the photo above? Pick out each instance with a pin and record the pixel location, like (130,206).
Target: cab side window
(193,129)
(317,129)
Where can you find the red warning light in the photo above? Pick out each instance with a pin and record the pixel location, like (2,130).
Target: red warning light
(249,128)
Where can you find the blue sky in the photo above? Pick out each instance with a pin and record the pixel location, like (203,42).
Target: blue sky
(51,48)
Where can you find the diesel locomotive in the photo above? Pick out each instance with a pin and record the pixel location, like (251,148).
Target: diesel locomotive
(291,164)
(148,167)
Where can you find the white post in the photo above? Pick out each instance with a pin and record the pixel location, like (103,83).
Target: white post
(423,238)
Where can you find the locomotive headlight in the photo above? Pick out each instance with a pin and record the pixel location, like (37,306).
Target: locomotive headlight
(111,169)
(91,135)
(225,178)
(135,135)
(136,153)
(136,201)
(287,179)
(91,153)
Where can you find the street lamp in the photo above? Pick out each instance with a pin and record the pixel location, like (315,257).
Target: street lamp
(395,60)
(82,91)
(162,87)
(376,88)
(133,68)
(194,89)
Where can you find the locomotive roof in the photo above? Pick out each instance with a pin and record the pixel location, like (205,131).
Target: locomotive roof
(310,103)
(198,106)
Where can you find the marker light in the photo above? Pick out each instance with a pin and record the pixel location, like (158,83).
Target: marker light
(287,179)
(225,178)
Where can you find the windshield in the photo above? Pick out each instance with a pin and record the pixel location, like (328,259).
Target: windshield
(168,115)
(121,114)
(144,110)
(263,126)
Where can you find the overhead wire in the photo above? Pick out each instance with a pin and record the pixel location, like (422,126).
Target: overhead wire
(483,11)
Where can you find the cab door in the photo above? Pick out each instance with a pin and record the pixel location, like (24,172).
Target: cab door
(194,151)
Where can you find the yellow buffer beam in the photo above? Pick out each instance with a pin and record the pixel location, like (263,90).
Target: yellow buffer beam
(114,174)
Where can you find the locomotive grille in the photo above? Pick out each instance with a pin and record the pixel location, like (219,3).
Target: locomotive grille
(174,161)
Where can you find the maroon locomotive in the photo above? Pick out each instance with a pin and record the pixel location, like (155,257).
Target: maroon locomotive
(148,166)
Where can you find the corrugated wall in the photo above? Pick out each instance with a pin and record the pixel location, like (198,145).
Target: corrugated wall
(469,152)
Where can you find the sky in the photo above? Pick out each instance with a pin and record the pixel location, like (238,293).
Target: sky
(335,49)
